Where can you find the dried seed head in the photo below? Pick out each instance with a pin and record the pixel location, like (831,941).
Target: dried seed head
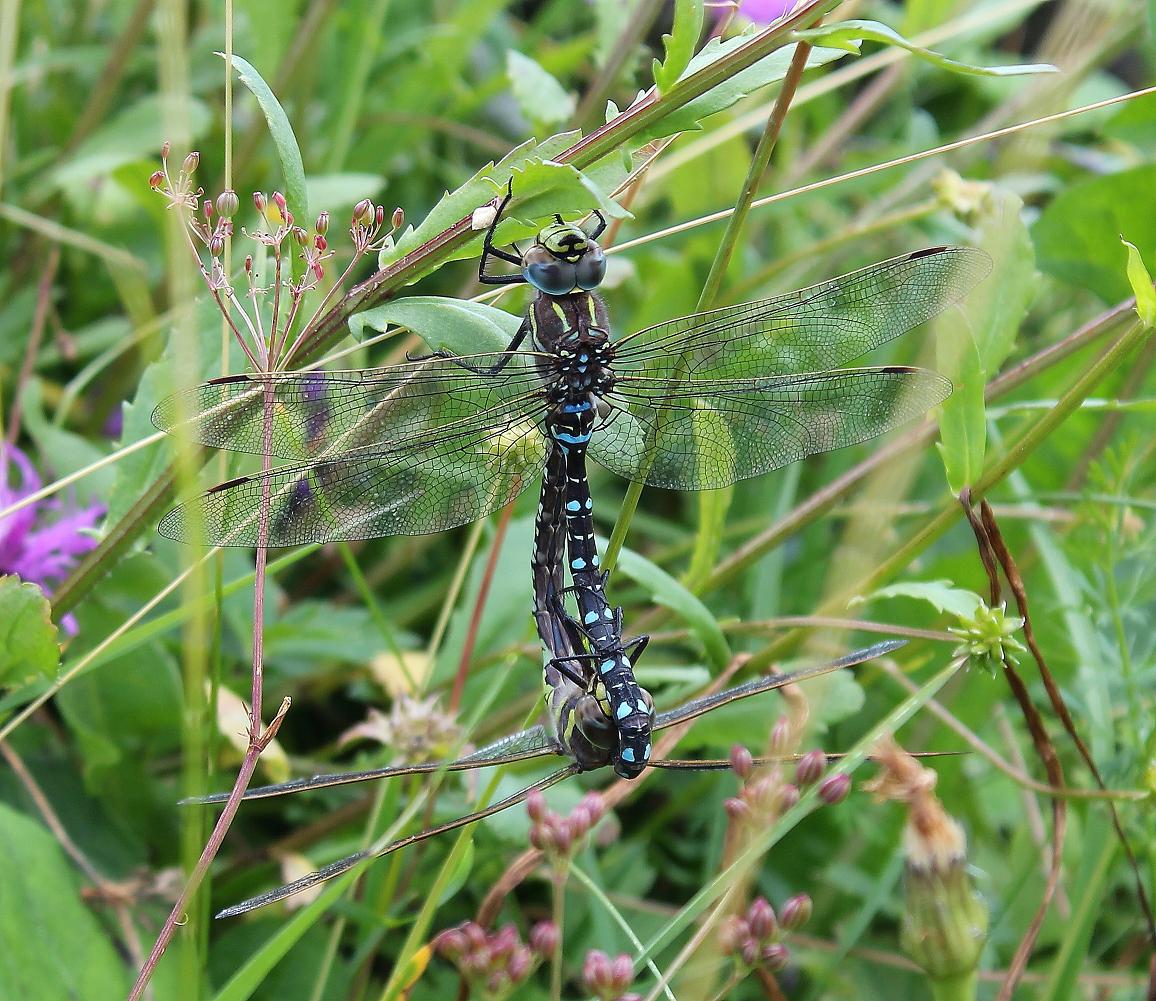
(228,203)
(363,213)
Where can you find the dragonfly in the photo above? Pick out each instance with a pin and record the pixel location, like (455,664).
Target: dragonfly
(693,403)
(567,736)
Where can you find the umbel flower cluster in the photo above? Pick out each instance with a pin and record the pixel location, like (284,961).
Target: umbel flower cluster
(275,309)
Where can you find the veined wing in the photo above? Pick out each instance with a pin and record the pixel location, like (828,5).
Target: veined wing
(317,413)
(335,869)
(537,742)
(698,434)
(810,330)
(769,682)
(427,483)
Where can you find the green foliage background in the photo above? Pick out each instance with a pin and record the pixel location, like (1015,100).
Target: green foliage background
(402,102)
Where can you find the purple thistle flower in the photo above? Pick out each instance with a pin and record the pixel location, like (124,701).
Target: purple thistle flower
(41,542)
(766,11)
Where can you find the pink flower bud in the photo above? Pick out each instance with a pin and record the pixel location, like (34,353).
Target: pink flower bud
(217,245)
(321,227)
(579,822)
(596,971)
(810,768)
(775,956)
(497,983)
(228,203)
(732,933)
(595,805)
(249,264)
(519,965)
(742,764)
(379,215)
(190,163)
(475,964)
(544,938)
(279,201)
(259,202)
(535,803)
(207,210)
(749,952)
(796,912)
(761,918)
(780,740)
(300,237)
(475,934)
(398,218)
(320,244)
(450,943)
(788,796)
(834,788)
(503,941)
(166,148)
(737,809)
(621,973)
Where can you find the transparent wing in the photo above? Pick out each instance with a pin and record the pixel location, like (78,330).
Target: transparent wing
(810,330)
(318,413)
(428,482)
(350,861)
(769,682)
(537,742)
(698,435)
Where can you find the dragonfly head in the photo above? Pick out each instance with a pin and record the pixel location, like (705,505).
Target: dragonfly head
(564,259)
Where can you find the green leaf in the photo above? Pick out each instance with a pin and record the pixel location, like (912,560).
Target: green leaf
(541,97)
(669,592)
(288,151)
(1077,235)
(54,946)
(680,43)
(941,594)
(768,70)
(1141,282)
(452,324)
(28,648)
(848,35)
(962,418)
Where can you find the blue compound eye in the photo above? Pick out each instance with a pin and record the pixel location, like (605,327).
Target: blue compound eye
(591,268)
(551,277)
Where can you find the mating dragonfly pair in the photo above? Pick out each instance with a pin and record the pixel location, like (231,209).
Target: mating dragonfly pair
(693,403)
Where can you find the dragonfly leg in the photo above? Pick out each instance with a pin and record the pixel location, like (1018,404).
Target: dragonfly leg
(634,648)
(489,250)
(501,363)
(601,227)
